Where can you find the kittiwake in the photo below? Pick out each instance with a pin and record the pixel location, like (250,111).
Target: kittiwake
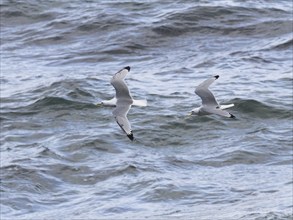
(123,101)
(209,103)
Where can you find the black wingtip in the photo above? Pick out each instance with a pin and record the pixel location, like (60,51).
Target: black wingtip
(127,67)
(232,116)
(217,76)
(130,136)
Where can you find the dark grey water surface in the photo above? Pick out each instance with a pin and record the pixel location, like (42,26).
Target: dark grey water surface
(62,157)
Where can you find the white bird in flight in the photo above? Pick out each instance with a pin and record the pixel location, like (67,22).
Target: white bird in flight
(209,103)
(123,101)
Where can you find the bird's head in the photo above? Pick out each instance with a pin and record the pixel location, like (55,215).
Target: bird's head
(194,111)
(100,103)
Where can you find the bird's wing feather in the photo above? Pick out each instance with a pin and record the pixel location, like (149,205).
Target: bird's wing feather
(119,84)
(208,82)
(205,94)
(120,114)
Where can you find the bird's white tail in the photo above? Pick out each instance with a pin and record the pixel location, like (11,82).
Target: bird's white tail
(140,103)
(226,106)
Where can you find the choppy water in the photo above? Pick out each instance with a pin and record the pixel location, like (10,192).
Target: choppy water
(64,158)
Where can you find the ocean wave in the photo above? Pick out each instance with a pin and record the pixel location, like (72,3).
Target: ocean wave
(54,27)
(259,29)
(233,21)
(237,157)
(287,44)
(267,216)
(55,103)
(44,104)
(258,109)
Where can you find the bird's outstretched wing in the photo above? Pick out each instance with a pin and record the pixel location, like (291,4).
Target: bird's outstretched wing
(120,114)
(205,94)
(119,84)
